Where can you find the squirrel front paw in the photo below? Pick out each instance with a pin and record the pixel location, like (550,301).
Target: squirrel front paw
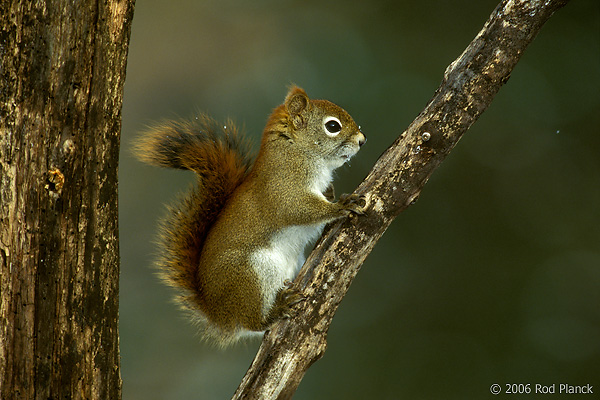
(353,203)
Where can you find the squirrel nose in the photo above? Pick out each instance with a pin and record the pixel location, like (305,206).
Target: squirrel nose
(362,139)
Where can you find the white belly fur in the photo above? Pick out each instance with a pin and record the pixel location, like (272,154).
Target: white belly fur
(282,258)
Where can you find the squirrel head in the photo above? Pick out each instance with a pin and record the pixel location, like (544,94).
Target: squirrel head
(317,127)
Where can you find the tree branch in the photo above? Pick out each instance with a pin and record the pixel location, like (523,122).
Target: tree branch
(468,87)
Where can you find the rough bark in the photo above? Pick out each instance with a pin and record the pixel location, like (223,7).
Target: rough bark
(61,86)
(468,87)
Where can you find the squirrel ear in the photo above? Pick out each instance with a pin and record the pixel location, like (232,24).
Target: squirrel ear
(296,101)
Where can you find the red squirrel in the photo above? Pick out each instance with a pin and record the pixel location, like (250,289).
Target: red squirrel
(232,245)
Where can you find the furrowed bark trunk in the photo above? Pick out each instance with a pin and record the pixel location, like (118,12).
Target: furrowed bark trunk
(61,89)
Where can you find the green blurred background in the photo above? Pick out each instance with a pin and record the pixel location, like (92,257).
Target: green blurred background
(493,276)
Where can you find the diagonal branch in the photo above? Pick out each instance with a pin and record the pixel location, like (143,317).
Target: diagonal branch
(468,87)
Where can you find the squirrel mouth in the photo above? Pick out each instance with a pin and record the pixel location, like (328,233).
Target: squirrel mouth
(345,157)
(346,152)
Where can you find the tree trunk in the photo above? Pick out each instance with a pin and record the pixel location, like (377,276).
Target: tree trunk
(61,89)
(469,85)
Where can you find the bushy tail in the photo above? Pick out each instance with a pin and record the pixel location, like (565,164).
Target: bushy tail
(220,158)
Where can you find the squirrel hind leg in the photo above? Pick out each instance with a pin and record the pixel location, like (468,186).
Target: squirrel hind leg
(231,312)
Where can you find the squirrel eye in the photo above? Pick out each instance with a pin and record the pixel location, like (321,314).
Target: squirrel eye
(333,126)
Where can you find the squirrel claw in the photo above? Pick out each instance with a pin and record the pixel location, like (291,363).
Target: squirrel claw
(288,284)
(287,298)
(291,296)
(283,307)
(353,203)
